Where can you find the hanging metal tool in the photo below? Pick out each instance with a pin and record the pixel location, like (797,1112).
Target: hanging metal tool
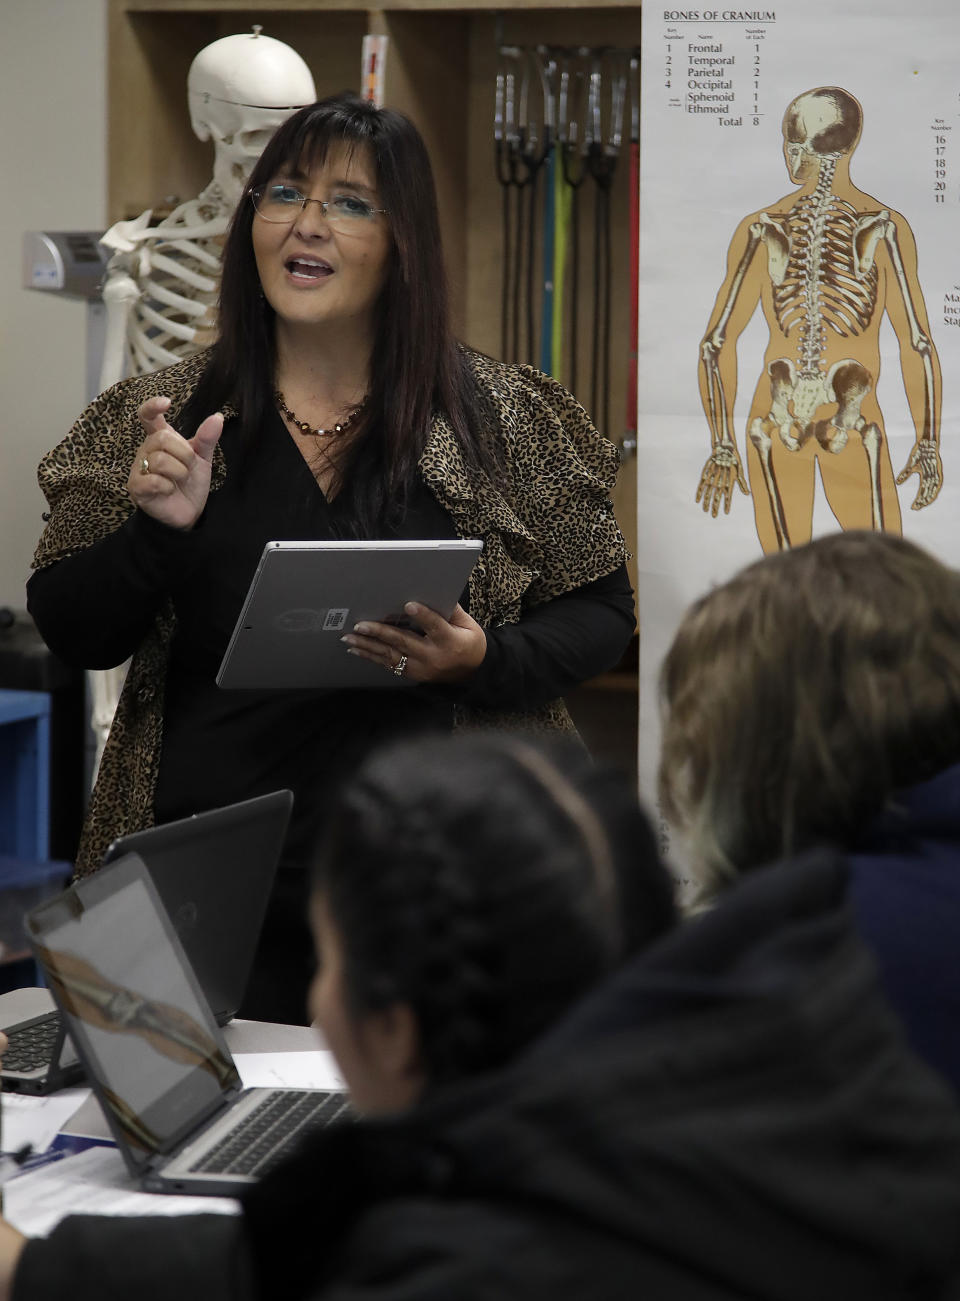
(506,138)
(562,198)
(607,89)
(548,79)
(535,143)
(573,72)
(629,441)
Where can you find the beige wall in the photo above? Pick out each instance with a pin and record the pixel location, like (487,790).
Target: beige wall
(53,151)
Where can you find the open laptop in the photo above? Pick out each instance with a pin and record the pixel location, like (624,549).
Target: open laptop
(305,595)
(214,873)
(151,1047)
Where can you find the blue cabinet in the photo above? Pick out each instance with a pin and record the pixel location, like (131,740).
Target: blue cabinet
(25,774)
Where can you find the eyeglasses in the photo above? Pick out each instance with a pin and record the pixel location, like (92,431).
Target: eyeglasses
(284,203)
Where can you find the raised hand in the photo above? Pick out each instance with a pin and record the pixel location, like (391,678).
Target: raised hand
(170,477)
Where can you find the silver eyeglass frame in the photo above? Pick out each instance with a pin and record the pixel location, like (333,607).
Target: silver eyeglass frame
(257,193)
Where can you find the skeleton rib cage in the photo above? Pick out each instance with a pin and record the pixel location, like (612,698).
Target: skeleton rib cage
(176,314)
(822,287)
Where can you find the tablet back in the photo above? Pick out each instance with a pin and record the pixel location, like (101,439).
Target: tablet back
(306,595)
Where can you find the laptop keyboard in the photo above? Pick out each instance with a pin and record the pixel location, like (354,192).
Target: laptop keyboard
(271,1131)
(31,1045)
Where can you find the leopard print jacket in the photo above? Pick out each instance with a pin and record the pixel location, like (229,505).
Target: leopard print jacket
(549,529)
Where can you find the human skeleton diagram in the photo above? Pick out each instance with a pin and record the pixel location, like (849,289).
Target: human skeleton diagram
(825,263)
(162,281)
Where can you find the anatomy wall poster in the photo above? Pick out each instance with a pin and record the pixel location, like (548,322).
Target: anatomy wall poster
(800,291)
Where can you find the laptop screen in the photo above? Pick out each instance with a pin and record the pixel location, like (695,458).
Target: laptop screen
(214,872)
(146,1035)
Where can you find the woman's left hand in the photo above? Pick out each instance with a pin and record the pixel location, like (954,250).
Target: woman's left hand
(450,650)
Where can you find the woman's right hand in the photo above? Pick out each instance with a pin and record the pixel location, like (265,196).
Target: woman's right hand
(174,486)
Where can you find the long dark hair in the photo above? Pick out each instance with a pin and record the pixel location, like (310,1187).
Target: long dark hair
(417,366)
(488,884)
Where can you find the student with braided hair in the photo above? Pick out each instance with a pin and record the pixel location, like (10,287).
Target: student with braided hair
(563,1093)
(484,888)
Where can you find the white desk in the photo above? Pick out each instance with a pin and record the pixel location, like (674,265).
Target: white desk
(95,1180)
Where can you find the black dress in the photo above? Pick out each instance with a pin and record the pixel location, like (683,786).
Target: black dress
(220,746)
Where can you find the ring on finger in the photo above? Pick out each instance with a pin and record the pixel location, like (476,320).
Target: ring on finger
(400,666)
(144,465)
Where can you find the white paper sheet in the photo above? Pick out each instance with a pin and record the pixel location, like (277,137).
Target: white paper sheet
(97,1183)
(37,1121)
(297,1070)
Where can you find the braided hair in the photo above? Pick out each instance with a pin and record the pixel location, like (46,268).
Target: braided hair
(488,884)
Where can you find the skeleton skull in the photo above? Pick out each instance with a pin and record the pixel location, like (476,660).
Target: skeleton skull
(820,123)
(240,89)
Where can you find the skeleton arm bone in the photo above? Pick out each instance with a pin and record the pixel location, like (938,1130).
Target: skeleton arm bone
(719,411)
(120,293)
(723,468)
(924,459)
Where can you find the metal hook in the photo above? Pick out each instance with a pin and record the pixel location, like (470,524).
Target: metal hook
(547,66)
(505,132)
(634,75)
(572,83)
(608,68)
(593,133)
(618,63)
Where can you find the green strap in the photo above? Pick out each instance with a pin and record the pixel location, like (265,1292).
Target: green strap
(563,198)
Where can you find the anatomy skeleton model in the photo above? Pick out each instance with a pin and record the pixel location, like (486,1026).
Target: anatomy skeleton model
(825,263)
(162,281)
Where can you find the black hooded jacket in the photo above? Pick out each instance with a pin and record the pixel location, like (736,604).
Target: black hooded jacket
(735,1115)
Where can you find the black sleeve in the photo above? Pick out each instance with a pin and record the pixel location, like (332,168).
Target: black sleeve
(152,1258)
(94,608)
(555,646)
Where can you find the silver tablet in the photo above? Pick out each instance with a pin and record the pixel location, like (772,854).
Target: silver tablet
(305,596)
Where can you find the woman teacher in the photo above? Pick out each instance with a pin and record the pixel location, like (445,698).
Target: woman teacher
(335,403)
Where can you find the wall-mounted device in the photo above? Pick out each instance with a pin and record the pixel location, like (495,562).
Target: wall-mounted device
(72,263)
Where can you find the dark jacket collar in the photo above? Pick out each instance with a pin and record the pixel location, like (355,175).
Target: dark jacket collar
(928,809)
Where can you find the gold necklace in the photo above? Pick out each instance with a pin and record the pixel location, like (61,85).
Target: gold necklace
(339,428)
